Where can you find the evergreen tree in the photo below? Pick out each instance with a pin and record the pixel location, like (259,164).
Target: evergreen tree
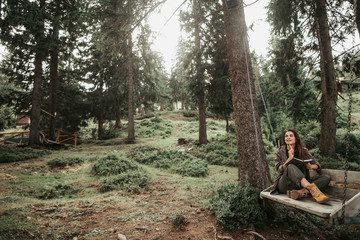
(297,18)
(253,167)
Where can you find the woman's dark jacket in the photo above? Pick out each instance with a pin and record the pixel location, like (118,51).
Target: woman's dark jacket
(280,158)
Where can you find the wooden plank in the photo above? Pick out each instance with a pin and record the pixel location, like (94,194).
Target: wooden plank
(307,204)
(352,208)
(339,192)
(338,175)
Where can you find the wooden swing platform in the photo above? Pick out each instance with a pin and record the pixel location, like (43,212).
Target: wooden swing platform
(331,210)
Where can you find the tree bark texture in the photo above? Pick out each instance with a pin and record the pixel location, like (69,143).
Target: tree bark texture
(253,167)
(100,126)
(357,14)
(131,130)
(328,83)
(36,101)
(118,124)
(200,79)
(54,62)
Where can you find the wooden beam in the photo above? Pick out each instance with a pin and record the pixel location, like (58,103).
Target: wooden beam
(47,113)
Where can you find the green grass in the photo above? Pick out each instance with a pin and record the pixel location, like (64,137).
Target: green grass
(35,183)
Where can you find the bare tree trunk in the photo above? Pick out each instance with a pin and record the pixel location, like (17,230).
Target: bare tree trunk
(328,84)
(54,62)
(36,101)
(227,124)
(131,130)
(34,138)
(118,124)
(101,126)
(200,78)
(357,14)
(253,167)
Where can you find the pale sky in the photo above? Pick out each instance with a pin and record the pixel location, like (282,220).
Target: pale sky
(168,35)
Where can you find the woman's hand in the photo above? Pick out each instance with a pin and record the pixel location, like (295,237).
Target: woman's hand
(308,166)
(291,155)
(311,166)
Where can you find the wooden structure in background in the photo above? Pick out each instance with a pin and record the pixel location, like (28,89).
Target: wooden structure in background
(22,138)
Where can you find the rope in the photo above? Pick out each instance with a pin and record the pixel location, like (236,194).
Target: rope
(267,114)
(253,107)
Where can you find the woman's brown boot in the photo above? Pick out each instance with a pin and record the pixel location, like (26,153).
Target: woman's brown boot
(297,194)
(317,194)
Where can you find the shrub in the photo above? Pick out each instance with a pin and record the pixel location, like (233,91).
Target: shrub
(235,206)
(179,162)
(190,114)
(232,127)
(131,181)
(56,191)
(154,127)
(330,163)
(7,118)
(354,147)
(63,162)
(220,152)
(16,154)
(112,165)
(120,173)
(178,220)
(145,116)
(192,167)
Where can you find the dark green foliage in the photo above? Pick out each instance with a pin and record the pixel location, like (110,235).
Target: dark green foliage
(190,114)
(56,191)
(120,173)
(17,154)
(153,127)
(175,161)
(7,117)
(310,133)
(63,162)
(330,163)
(221,151)
(236,206)
(178,220)
(112,165)
(73,109)
(145,116)
(232,127)
(354,146)
(131,181)
(192,167)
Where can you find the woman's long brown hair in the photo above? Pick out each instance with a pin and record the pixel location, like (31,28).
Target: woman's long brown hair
(299,146)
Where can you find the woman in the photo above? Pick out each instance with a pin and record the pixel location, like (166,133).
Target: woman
(294,179)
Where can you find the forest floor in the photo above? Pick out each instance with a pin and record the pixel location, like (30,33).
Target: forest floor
(172,207)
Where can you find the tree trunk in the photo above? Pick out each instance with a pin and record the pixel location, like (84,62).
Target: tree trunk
(357,14)
(34,138)
(202,121)
(101,126)
(131,130)
(36,101)
(253,167)
(227,124)
(118,124)
(100,111)
(54,62)
(200,79)
(328,84)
